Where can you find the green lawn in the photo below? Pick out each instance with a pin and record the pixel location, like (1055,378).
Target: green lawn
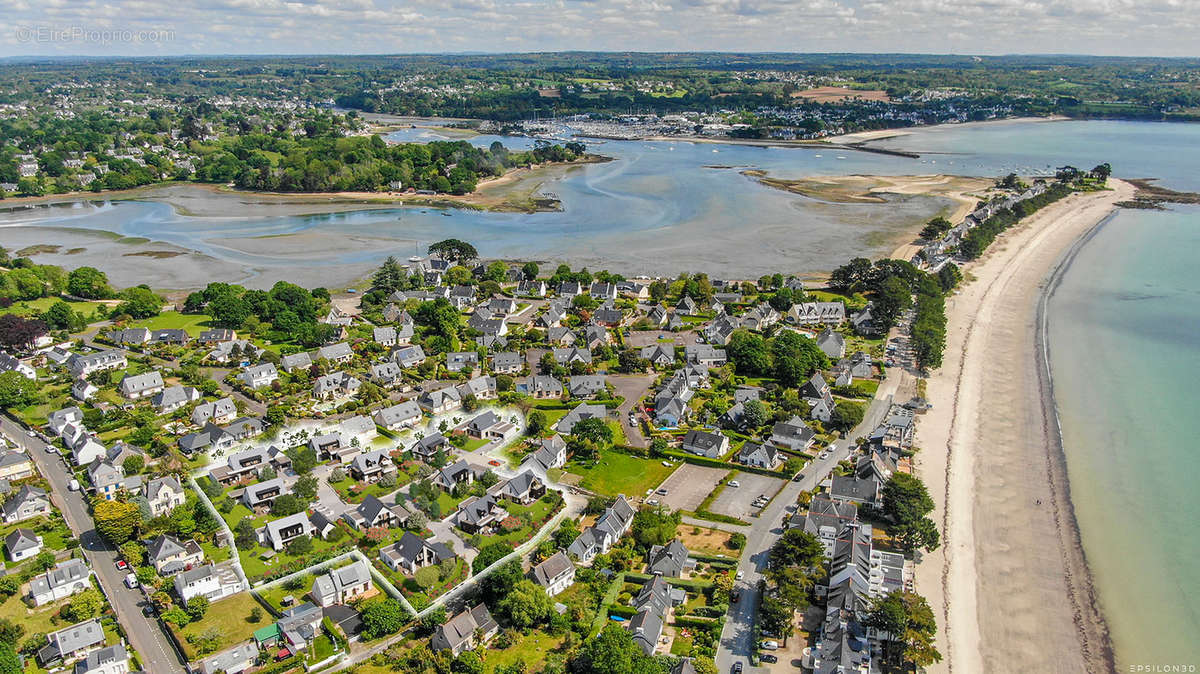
(374,489)
(42,619)
(193,323)
(230,617)
(274,595)
(473,444)
(38,306)
(619,473)
(681,646)
(215,554)
(255,567)
(530,649)
(539,510)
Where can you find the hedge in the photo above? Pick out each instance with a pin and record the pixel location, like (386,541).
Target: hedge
(695,621)
(714,463)
(625,611)
(718,517)
(712,559)
(696,585)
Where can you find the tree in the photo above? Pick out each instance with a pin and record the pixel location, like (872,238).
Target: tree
(140,302)
(594,430)
(529,270)
(846,277)
(795,548)
(305,487)
(88,283)
(244,534)
(17,390)
(535,423)
(17,333)
(500,582)
(9,586)
(454,250)
(287,504)
(389,277)
(426,577)
(909,623)
(935,228)
(526,605)
(613,651)
(749,354)
(1102,171)
(86,605)
(256,614)
(197,607)
(467,662)
(116,521)
(10,662)
(301,545)
(905,498)
(920,533)
(654,527)
(134,464)
(10,632)
(382,617)
(846,415)
(60,316)
(44,561)
(490,554)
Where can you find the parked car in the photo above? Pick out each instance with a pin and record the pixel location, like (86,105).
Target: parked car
(737,668)
(122,564)
(666,464)
(734,483)
(769,645)
(131,580)
(661,491)
(739,575)
(735,596)
(74,486)
(767,657)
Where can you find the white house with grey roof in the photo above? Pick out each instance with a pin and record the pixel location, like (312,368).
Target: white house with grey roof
(335,353)
(21,544)
(703,443)
(343,585)
(465,631)
(67,578)
(173,397)
(759,454)
(29,501)
(218,412)
(409,356)
(71,643)
(231,660)
(258,376)
(141,385)
(296,361)
(402,415)
(209,581)
(507,362)
(108,660)
(81,365)
(579,413)
(278,533)
(555,574)
(412,552)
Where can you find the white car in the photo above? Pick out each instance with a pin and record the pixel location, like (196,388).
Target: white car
(131,581)
(739,575)
(769,645)
(666,464)
(734,483)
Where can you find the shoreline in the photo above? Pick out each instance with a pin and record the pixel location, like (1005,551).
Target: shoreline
(862,137)
(1011,546)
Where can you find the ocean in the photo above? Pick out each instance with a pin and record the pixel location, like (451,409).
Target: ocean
(1124,336)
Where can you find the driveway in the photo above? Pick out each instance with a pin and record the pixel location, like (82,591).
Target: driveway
(689,485)
(144,634)
(632,388)
(735,501)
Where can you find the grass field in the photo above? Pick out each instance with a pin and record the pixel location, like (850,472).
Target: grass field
(530,649)
(41,619)
(619,473)
(38,306)
(230,617)
(194,324)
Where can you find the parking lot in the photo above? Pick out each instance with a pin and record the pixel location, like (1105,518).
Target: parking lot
(688,486)
(735,501)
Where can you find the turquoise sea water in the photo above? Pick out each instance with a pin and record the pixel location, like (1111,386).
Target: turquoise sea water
(1124,334)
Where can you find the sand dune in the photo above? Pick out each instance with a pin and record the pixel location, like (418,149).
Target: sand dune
(1010,585)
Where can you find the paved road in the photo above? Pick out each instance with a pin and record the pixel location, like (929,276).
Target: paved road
(145,634)
(736,638)
(632,388)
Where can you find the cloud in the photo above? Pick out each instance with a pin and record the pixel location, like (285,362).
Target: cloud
(1128,27)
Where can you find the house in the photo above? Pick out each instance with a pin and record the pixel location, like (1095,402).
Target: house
(14,465)
(108,660)
(793,434)
(605,317)
(555,574)
(370,466)
(67,578)
(169,336)
(465,631)
(71,643)
(705,354)
(28,502)
(659,355)
(862,321)
(258,376)
(108,480)
(855,489)
(826,519)
(216,336)
(284,530)
(667,560)
(386,374)
(359,426)
(342,586)
(231,661)
(336,385)
(128,336)
(237,351)
(385,336)
(141,385)
(720,330)
(560,336)
(427,447)
(296,362)
(586,385)
(335,353)
(687,306)
(478,514)
(412,552)
(169,556)
(440,401)
(460,472)
(482,388)
(220,412)
(608,529)
(831,343)
(703,443)
(458,361)
(572,355)
(409,356)
(402,415)
(263,494)
(207,581)
(81,365)
(654,603)
(540,386)
(86,450)
(9,363)
(59,420)
(569,289)
(759,454)
(507,362)
(327,446)
(579,413)
(221,438)
(21,544)
(83,390)
(375,513)
(524,489)
(817,313)
(488,426)
(760,317)
(551,453)
(533,288)
(604,291)
(172,398)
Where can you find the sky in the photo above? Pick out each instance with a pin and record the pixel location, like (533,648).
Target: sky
(156,28)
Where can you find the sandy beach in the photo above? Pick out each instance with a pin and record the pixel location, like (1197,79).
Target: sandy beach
(865,136)
(1010,585)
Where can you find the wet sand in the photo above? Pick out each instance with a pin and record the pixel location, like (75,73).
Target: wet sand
(1010,585)
(867,136)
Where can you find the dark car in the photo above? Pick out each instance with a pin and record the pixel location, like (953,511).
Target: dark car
(148,611)
(737,668)
(767,657)
(735,596)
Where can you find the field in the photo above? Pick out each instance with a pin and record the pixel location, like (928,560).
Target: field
(41,619)
(619,473)
(230,617)
(38,306)
(707,541)
(194,324)
(530,649)
(839,94)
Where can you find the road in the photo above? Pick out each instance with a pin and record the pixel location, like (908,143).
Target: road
(144,634)
(737,642)
(632,388)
